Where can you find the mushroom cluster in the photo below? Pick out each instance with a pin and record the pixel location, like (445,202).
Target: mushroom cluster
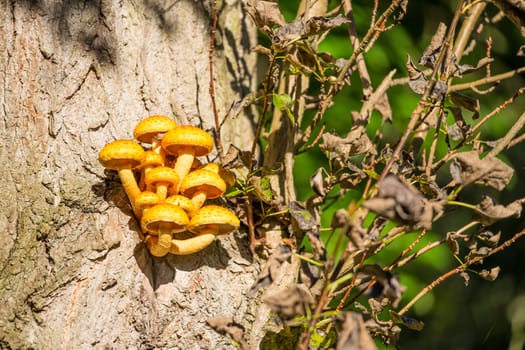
(170,197)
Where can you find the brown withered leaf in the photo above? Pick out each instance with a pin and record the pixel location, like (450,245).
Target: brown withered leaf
(271,270)
(340,218)
(319,24)
(317,182)
(430,55)
(236,158)
(355,142)
(265,14)
(400,201)
(488,238)
(410,323)
(465,101)
(418,82)
(465,276)
(226,325)
(452,243)
(289,302)
(354,334)
(467,168)
(309,273)
(307,219)
(490,275)
(386,286)
(490,212)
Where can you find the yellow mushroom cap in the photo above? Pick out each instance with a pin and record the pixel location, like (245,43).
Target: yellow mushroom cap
(164,215)
(213,219)
(183,202)
(151,159)
(187,136)
(146,200)
(202,180)
(121,154)
(149,128)
(162,176)
(227,176)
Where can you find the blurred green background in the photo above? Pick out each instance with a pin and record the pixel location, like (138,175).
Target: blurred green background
(483,315)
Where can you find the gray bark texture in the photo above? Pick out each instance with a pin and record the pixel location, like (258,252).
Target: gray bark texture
(74,76)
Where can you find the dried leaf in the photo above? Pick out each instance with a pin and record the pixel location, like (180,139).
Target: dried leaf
(418,82)
(271,270)
(307,219)
(466,277)
(340,218)
(410,323)
(468,168)
(430,55)
(309,273)
(452,243)
(265,14)
(298,29)
(386,286)
(400,201)
(237,158)
(464,101)
(289,302)
(491,212)
(355,142)
(490,275)
(489,239)
(226,325)
(354,334)
(317,25)
(317,183)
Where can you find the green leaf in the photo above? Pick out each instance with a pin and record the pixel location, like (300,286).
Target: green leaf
(282,101)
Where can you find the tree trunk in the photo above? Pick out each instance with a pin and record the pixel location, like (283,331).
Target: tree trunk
(75,76)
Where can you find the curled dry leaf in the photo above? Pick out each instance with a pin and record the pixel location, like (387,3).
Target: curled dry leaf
(430,55)
(488,238)
(467,168)
(272,268)
(465,101)
(307,219)
(490,212)
(355,142)
(226,325)
(265,14)
(386,286)
(317,183)
(418,82)
(406,321)
(490,275)
(400,201)
(354,334)
(289,302)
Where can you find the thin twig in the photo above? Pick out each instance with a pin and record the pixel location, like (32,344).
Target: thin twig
(487,80)
(505,140)
(459,269)
(212,84)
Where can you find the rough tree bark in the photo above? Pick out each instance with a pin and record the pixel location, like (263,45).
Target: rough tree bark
(75,75)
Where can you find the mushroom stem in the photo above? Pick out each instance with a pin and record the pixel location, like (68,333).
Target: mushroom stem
(191,245)
(198,199)
(165,234)
(154,248)
(184,161)
(130,187)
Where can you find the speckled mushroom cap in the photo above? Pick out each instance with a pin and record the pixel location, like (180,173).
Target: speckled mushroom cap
(186,137)
(162,176)
(213,219)
(162,214)
(121,154)
(151,127)
(183,202)
(202,180)
(146,200)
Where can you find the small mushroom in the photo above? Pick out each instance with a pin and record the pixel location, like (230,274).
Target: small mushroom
(186,142)
(163,220)
(164,179)
(191,245)
(123,156)
(152,242)
(146,200)
(151,129)
(202,184)
(226,175)
(149,161)
(183,202)
(213,219)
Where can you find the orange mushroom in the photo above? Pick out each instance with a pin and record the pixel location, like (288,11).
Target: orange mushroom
(123,156)
(163,220)
(164,179)
(202,184)
(213,219)
(149,161)
(186,142)
(146,200)
(152,242)
(226,175)
(151,129)
(183,202)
